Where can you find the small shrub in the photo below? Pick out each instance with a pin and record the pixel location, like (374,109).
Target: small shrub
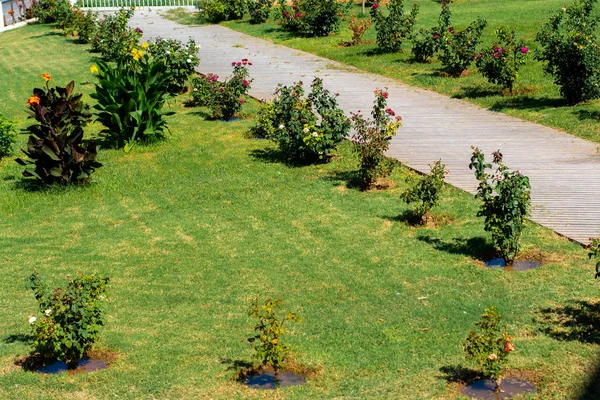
(55,150)
(7,136)
(506,202)
(223,98)
(311,17)
(265,122)
(307,129)
(458,48)
(394,28)
(372,139)
(70,317)
(179,58)
(114,39)
(130,95)
(489,346)
(428,41)
(82,24)
(500,64)
(50,11)
(259,10)
(426,192)
(216,11)
(594,253)
(358,28)
(571,51)
(267,343)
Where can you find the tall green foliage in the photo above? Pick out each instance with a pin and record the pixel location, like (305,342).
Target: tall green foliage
(394,28)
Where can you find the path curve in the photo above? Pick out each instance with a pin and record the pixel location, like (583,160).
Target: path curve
(563,169)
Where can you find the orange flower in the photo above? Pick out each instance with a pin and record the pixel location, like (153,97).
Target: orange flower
(32,100)
(10,12)
(46,77)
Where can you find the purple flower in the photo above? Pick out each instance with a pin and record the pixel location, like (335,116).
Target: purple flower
(499,50)
(524,50)
(375,5)
(242,101)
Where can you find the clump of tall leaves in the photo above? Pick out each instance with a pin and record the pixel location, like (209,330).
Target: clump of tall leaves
(372,139)
(428,42)
(69,319)
(594,254)
(55,149)
(489,346)
(425,193)
(307,128)
(130,96)
(7,136)
(506,202)
(395,27)
(571,51)
(271,326)
(458,48)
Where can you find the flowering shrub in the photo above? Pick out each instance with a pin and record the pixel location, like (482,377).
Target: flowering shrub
(372,139)
(394,28)
(50,11)
(457,50)
(264,127)
(501,62)
(571,52)
(428,41)
(55,150)
(7,136)
(311,17)
(358,29)
(309,128)
(114,39)
(223,98)
(489,347)
(267,343)
(259,10)
(506,202)
(69,318)
(130,95)
(594,253)
(180,60)
(216,11)
(82,24)
(426,192)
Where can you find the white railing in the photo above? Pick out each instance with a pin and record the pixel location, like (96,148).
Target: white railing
(115,4)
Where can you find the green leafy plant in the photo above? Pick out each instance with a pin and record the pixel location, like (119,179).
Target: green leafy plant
(489,346)
(270,328)
(130,96)
(571,51)
(216,11)
(307,129)
(426,191)
(55,149)
(395,27)
(82,24)
(358,29)
(179,58)
(50,11)
(372,139)
(458,48)
(69,318)
(506,202)
(114,39)
(594,253)
(259,10)
(311,17)
(265,122)
(223,98)
(428,41)
(500,64)
(7,136)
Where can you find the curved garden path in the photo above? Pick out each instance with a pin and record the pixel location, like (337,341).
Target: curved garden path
(563,169)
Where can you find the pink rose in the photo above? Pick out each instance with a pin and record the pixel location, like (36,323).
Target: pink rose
(245,83)
(375,5)
(524,50)
(242,101)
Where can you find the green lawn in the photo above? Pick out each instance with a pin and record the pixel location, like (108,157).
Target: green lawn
(190,230)
(537,99)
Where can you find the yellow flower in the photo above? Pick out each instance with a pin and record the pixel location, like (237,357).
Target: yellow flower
(145,45)
(46,77)
(94,69)
(32,100)
(136,54)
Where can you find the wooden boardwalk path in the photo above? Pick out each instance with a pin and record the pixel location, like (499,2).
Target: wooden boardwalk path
(564,170)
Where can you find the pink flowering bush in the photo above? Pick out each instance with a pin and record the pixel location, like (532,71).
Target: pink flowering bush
(489,346)
(458,48)
(428,41)
(372,139)
(223,98)
(311,17)
(501,62)
(393,28)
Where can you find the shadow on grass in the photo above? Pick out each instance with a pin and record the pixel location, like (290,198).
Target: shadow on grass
(458,374)
(19,337)
(275,156)
(47,34)
(591,391)
(476,92)
(351,179)
(587,115)
(528,103)
(575,321)
(476,247)
(409,217)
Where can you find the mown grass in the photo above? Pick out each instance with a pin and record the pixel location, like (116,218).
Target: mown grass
(536,98)
(190,230)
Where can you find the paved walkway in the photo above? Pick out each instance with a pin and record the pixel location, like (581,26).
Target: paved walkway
(563,170)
